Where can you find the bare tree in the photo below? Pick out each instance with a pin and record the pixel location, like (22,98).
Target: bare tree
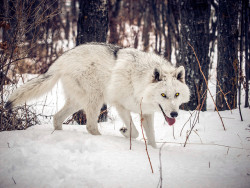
(92,22)
(247,44)
(195,30)
(227,67)
(21,24)
(114,10)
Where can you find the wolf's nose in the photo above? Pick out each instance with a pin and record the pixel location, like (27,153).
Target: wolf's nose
(173,114)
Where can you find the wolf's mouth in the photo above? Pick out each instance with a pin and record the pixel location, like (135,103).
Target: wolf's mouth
(170,121)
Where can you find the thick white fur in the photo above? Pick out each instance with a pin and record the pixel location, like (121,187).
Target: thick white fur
(92,74)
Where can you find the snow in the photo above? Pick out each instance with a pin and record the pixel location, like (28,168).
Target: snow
(39,157)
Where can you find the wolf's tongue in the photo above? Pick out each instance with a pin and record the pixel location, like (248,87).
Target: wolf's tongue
(170,121)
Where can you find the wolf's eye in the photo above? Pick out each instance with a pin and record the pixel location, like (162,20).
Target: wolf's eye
(177,94)
(164,95)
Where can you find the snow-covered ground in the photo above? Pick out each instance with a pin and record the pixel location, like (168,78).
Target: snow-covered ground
(39,157)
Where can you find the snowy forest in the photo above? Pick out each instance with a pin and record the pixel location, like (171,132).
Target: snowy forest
(209,145)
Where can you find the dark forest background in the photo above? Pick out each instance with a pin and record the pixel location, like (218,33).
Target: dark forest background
(193,33)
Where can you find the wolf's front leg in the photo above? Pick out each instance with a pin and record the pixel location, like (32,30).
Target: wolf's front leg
(148,124)
(130,127)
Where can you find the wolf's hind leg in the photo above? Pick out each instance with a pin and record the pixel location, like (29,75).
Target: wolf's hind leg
(92,113)
(126,117)
(69,108)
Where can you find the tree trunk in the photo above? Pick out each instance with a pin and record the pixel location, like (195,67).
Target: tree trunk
(92,26)
(113,21)
(247,64)
(195,16)
(146,26)
(166,20)
(92,22)
(158,29)
(227,67)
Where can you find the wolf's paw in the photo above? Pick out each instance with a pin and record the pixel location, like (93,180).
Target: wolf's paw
(93,131)
(58,127)
(123,130)
(153,144)
(126,132)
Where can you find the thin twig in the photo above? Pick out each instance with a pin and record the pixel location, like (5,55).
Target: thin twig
(224,94)
(197,108)
(207,144)
(203,102)
(198,93)
(13,180)
(192,127)
(197,135)
(130,133)
(196,118)
(207,85)
(186,122)
(145,140)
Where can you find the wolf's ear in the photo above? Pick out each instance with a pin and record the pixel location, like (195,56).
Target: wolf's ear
(156,76)
(180,74)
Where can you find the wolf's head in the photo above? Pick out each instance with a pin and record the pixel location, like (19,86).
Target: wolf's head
(167,91)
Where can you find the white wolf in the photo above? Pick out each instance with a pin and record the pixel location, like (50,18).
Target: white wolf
(129,79)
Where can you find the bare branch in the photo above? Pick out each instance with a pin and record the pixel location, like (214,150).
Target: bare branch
(207,85)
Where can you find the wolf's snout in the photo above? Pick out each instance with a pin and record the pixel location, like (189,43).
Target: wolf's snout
(174,114)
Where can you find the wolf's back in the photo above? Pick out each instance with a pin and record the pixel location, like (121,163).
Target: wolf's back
(33,88)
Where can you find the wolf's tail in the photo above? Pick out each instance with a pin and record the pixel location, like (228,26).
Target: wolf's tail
(33,88)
